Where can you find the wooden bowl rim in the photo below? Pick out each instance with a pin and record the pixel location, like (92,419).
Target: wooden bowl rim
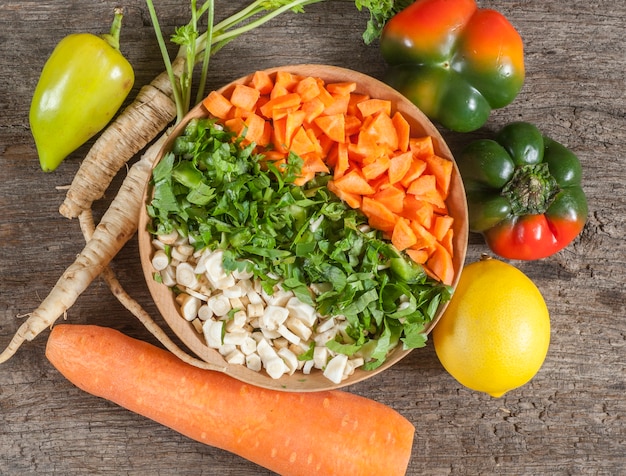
(163,297)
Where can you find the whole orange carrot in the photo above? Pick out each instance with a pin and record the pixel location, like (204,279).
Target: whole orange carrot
(321,433)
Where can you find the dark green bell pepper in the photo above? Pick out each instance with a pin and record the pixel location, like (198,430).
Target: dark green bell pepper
(524,192)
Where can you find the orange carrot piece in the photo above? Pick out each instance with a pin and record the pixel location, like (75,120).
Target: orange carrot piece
(338,106)
(416,169)
(301,143)
(421,146)
(419,256)
(278,90)
(217,105)
(236,125)
(312,109)
(353,124)
(379,216)
(442,224)
(392,197)
(440,263)
(383,129)
(448,241)
(403,129)
(354,182)
(442,170)
(399,166)
(289,433)
(262,82)
(370,107)
(425,188)
(244,97)
(334,126)
(286,80)
(279,135)
(313,162)
(324,95)
(341,89)
(343,161)
(308,89)
(255,130)
(375,169)
(352,199)
(356,98)
(403,235)
(418,210)
(425,238)
(294,120)
(286,101)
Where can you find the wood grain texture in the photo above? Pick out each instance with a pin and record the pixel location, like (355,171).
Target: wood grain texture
(569,420)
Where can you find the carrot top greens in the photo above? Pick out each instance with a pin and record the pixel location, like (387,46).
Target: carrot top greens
(221,195)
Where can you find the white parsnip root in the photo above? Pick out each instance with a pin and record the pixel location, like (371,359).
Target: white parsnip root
(118,225)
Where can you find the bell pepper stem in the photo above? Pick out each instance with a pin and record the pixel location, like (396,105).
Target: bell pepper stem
(113,37)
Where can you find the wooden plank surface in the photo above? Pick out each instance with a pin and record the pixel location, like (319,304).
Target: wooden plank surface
(571,419)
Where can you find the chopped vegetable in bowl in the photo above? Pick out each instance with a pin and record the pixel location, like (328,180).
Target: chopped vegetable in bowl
(280,276)
(337,195)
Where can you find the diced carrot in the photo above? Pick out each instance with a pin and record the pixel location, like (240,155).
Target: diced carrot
(293,122)
(301,143)
(418,211)
(325,96)
(354,182)
(419,256)
(326,143)
(442,224)
(369,107)
(425,188)
(338,106)
(392,197)
(355,99)
(379,216)
(262,82)
(416,169)
(217,105)
(244,97)
(308,89)
(447,241)
(440,263)
(399,166)
(383,129)
(312,109)
(278,90)
(287,80)
(442,170)
(375,169)
(353,124)
(334,126)
(403,236)
(285,101)
(255,130)
(425,238)
(235,125)
(343,161)
(352,199)
(421,146)
(279,136)
(341,89)
(313,162)
(403,129)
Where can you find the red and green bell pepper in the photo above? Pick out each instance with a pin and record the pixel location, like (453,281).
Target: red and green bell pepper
(524,192)
(82,85)
(455,61)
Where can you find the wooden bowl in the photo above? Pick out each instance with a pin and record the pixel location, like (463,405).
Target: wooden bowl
(164,298)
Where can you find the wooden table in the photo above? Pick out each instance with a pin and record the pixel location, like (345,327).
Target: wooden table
(570,419)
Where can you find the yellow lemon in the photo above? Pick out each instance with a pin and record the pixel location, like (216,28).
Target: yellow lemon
(495,333)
